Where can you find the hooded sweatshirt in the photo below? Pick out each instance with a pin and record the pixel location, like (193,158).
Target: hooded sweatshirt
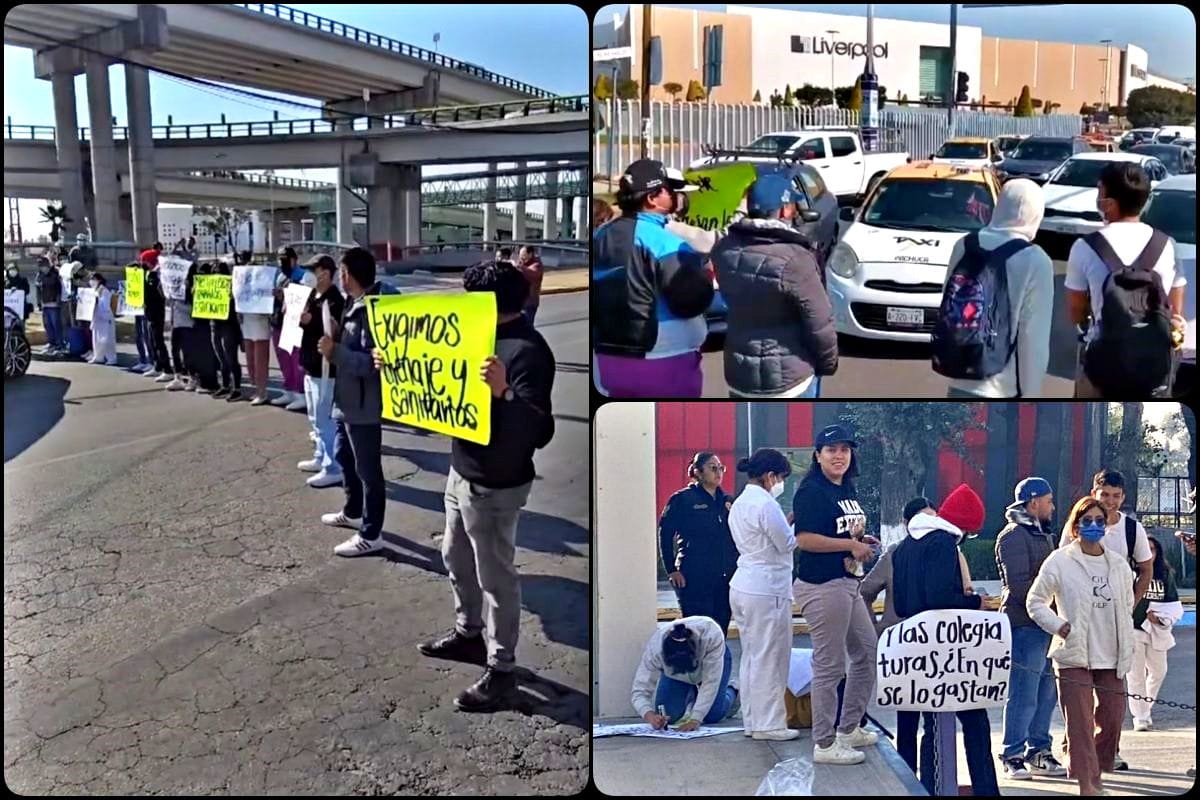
(357,392)
(1019,212)
(926,571)
(1021,547)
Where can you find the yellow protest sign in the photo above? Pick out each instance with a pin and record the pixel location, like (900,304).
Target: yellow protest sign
(434,346)
(722,187)
(135,287)
(211,295)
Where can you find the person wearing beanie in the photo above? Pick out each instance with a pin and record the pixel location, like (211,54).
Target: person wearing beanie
(155,311)
(1021,547)
(928,576)
(685,669)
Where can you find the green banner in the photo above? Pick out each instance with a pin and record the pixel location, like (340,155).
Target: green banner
(722,188)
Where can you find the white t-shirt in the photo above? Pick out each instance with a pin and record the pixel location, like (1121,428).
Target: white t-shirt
(1114,540)
(1102,644)
(1086,272)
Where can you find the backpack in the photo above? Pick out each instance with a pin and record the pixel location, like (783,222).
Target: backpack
(975,335)
(1134,353)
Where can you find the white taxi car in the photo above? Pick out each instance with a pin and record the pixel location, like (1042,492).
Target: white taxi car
(885,276)
(1070,192)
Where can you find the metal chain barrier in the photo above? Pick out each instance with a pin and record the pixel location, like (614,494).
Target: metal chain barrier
(1156,701)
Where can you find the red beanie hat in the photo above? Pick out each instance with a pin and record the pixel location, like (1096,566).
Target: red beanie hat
(963,508)
(149,258)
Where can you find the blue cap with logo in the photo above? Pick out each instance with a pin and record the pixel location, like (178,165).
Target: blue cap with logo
(771,192)
(1030,488)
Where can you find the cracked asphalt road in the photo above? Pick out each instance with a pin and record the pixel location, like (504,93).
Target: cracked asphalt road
(175,621)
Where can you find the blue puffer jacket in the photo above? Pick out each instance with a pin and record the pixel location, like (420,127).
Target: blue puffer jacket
(649,290)
(357,394)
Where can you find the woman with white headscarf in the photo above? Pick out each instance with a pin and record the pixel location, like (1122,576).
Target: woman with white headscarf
(1030,273)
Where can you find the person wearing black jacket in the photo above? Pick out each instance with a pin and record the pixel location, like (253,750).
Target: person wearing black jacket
(201,358)
(927,576)
(49,284)
(318,384)
(488,486)
(696,547)
(155,307)
(13,280)
(226,339)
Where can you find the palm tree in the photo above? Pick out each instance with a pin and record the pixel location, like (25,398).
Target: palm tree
(56,215)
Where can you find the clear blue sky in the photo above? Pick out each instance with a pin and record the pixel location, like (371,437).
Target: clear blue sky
(1166,31)
(544,45)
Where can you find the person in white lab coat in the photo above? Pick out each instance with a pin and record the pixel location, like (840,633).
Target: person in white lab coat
(104,324)
(760,594)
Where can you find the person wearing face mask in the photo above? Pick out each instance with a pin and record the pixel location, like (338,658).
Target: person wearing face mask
(760,594)
(104,323)
(13,280)
(649,293)
(290,272)
(781,338)
(326,302)
(831,545)
(697,549)
(683,677)
(49,285)
(1092,625)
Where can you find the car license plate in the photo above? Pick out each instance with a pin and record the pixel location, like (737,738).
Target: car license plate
(905,316)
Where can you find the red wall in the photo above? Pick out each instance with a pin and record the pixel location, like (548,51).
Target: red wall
(682,430)
(953,470)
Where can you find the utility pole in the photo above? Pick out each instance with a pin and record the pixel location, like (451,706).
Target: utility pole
(1107,68)
(951,85)
(832,80)
(868,119)
(645,46)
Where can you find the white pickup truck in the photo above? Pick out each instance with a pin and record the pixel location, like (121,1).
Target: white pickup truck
(836,153)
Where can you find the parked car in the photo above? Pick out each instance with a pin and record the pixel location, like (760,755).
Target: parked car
(1071,192)
(1006,144)
(1172,209)
(16,346)
(968,151)
(721,200)
(1136,136)
(1170,133)
(885,276)
(1178,160)
(1038,156)
(837,153)
(1187,144)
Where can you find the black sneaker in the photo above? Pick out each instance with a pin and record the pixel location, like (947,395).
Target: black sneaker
(1119,764)
(235,396)
(221,393)
(456,647)
(488,693)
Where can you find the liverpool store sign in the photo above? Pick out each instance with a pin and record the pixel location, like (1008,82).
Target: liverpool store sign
(816,46)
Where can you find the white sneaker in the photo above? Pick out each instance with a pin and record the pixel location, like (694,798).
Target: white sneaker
(176,386)
(282,400)
(299,404)
(837,753)
(1141,725)
(340,520)
(324,479)
(858,738)
(152,373)
(88,357)
(166,377)
(312,465)
(312,436)
(357,546)
(258,400)
(781,735)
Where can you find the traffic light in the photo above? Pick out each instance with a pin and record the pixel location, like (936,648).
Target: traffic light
(960,96)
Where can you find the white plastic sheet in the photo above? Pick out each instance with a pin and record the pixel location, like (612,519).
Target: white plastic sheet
(791,777)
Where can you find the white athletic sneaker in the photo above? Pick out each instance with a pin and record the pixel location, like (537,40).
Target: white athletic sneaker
(1141,725)
(357,546)
(312,436)
(258,400)
(781,735)
(858,738)
(324,479)
(177,386)
(166,377)
(837,753)
(88,357)
(298,404)
(312,465)
(282,400)
(340,520)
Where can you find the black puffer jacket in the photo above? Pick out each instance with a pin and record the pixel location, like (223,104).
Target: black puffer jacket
(780,328)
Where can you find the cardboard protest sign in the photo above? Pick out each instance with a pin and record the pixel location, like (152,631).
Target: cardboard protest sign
(294,297)
(434,346)
(85,304)
(254,289)
(15,299)
(721,190)
(211,295)
(123,307)
(945,661)
(173,270)
(64,272)
(135,287)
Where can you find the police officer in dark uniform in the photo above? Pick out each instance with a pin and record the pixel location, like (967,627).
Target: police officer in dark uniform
(698,552)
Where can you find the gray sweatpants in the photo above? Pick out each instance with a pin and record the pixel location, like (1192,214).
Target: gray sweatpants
(840,629)
(480,541)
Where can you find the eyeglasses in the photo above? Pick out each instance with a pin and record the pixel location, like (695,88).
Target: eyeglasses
(717,467)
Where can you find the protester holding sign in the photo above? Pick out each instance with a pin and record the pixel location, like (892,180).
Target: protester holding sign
(1092,591)
(104,323)
(49,284)
(156,315)
(760,594)
(201,356)
(831,544)
(252,298)
(226,339)
(289,361)
(928,575)
(357,409)
(685,668)
(13,280)
(181,329)
(135,298)
(326,302)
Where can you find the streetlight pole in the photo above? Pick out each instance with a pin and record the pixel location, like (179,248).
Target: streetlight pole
(832,83)
(1107,68)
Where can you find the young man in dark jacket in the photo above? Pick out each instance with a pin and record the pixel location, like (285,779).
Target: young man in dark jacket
(1021,547)
(357,410)
(49,285)
(318,385)
(927,576)
(155,309)
(781,338)
(487,487)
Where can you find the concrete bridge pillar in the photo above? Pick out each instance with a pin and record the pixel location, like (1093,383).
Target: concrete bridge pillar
(489,207)
(394,209)
(106,188)
(344,199)
(66,146)
(518,225)
(141,155)
(550,223)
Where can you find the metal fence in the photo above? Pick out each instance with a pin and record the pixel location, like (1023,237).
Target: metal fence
(680,131)
(1163,508)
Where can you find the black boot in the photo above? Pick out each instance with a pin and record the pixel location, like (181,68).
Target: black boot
(456,647)
(488,693)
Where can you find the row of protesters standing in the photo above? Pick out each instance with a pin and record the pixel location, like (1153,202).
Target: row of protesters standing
(697,549)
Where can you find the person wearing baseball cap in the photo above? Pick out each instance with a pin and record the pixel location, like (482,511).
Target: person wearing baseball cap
(780,338)
(649,292)
(928,575)
(1021,547)
(154,305)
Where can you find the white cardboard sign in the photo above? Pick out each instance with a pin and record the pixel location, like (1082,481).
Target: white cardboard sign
(295,296)
(15,299)
(254,289)
(85,303)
